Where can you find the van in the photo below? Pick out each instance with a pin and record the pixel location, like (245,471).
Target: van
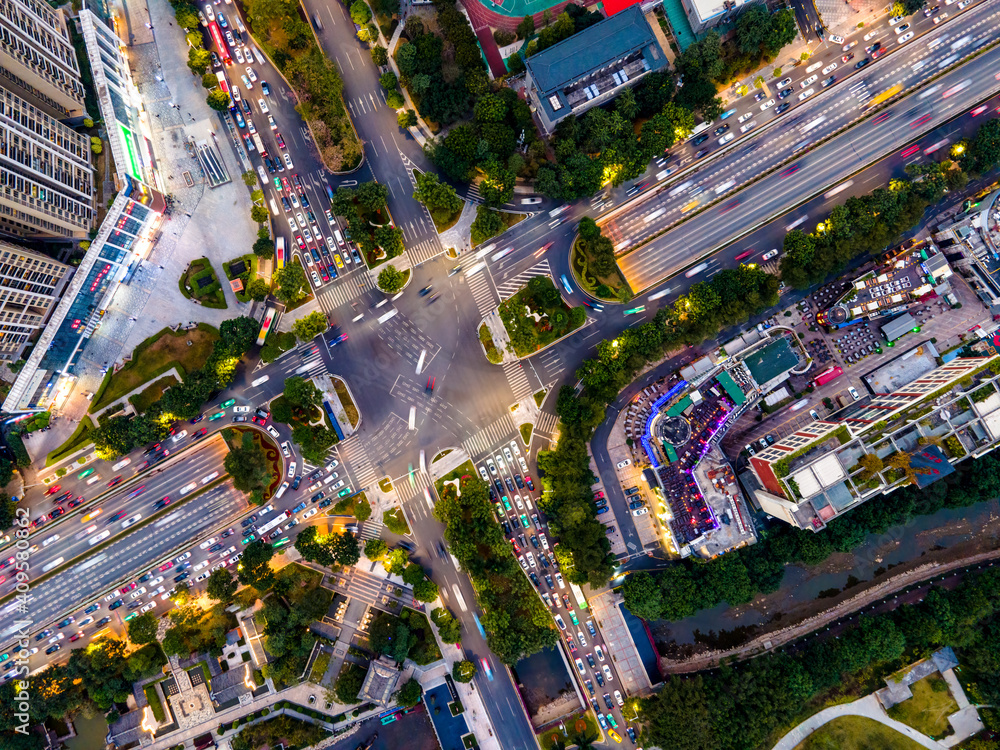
(281,490)
(339,237)
(274,206)
(317,22)
(814,66)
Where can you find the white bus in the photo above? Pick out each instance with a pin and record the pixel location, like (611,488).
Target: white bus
(273,523)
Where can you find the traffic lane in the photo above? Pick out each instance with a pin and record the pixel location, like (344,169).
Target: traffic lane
(843,96)
(831,161)
(119,560)
(156,484)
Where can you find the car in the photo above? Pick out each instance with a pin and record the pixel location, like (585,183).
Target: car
(862,63)
(52,649)
(743,118)
(116,604)
(808,82)
(767,105)
(854,393)
(285,157)
(66,623)
(265,88)
(263,106)
(345,492)
(181,577)
(726,138)
(901,29)
(607,672)
(614,735)
(782,108)
(166,566)
(905,38)
(272,431)
(286,450)
(700,139)
(744,129)
(623,464)
(785,93)
(898,19)
(247,521)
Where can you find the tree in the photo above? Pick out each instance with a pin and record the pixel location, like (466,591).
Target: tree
(642,596)
(238,335)
(409,694)
(291,279)
(413,574)
(247,466)
(497,186)
(784,30)
(302,393)
(379,55)
(753,26)
(526,27)
(258,290)
(313,547)
(142,629)
(360,12)
(425,591)
(440,198)
(221,586)
(395,561)
(263,247)
(218,100)
(463,671)
(488,223)
(407,119)
(254,566)
(388,80)
(311,326)
(349,683)
(8,511)
(209,81)
(345,548)
(258,214)
(391,280)
(198,61)
(375,549)
(448,627)
(372,195)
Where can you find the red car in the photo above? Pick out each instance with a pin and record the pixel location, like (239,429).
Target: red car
(166,566)
(117,516)
(76,636)
(76,501)
(128,587)
(200,433)
(301,242)
(116,480)
(53,490)
(56,513)
(744,254)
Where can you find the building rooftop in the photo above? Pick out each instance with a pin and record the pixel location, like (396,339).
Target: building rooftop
(898,327)
(593,48)
(769,362)
(380,682)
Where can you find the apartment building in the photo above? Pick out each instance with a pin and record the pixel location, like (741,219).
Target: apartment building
(46,174)
(37,58)
(30,286)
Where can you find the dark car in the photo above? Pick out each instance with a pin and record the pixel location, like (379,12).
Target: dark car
(698,140)
(829,81)
(162,503)
(326,503)
(518,481)
(136,603)
(296,482)
(247,521)
(636,504)
(103,621)
(317,497)
(52,649)
(116,604)
(249,531)
(498,485)
(759,96)
(534,541)
(181,577)
(265,88)
(56,513)
(509,483)
(303,200)
(145,577)
(506,528)
(228,532)
(721,129)
(534,579)
(74,503)
(117,480)
(63,498)
(44,634)
(862,63)
(118,516)
(701,153)
(200,433)
(782,108)
(263,414)
(197,419)
(91,608)
(785,93)
(215,548)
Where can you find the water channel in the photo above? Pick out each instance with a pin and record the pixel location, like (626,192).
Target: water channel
(946,528)
(90,733)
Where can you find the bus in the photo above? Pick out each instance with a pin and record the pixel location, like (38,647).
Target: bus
(698,129)
(273,523)
(259,144)
(279,252)
(224,85)
(578,594)
(265,328)
(831,373)
(213,29)
(885,95)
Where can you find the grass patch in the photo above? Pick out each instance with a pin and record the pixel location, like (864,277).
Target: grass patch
(540,398)
(526,434)
(580,721)
(154,702)
(249,273)
(612,287)
(395,521)
(465,470)
(271,454)
(385,484)
(856,733)
(537,316)
(146,398)
(277,343)
(319,668)
(79,438)
(303,580)
(348,403)
(356,505)
(199,283)
(486,339)
(155,356)
(929,708)
(441,455)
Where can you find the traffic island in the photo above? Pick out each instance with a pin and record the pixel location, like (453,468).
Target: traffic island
(592,259)
(537,317)
(494,355)
(392,280)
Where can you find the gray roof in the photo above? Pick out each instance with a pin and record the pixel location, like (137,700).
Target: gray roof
(380,682)
(591,49)
(898,326)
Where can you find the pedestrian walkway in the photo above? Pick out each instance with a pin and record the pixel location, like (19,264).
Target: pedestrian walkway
(499,432)
(514,284)
(352,453)
(518,380)
(482,293)
(546,424)
(867,707)
(424,251)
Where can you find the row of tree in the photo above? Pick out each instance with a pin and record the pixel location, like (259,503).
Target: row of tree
(746,706)
(868,223)
(365,210)
(516,621)
(685,587)
(116,436)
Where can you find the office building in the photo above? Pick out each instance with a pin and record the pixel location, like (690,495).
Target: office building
(46,175)
(37,58)
(30,286)
(707,14)
(591,67)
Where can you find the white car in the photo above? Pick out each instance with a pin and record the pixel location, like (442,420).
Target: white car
(544,540)
(272,432)
(315,277)
(287,159)
(745,128)
(623,464)
(272,123)
(607,673)
(900,29)
(493,466)
(784,83)
(640,511)
(246,82)
(483,474)
(769,254)
(179,436)
(338,485)
(905,38)
(513,447)
(238,54)
(156,581)
(138,592)
(203,576)
(559,580)
(241,409)
(129,521)
(744,118)
(146,607)
(897,19)
(518,503)
(310,513)
(263,106)
(291,469)
(182,558)
(809,81)
(871,35)
(209,478)
(560,623)
(508,456)
(201,565)
(50,540)
(599,652)
(829,68)
(854,393)
(618,698)
(767,105)
(250,74)
(286,451)
(836,39)
(806,94)
(209,13)
(208,543)
(726,138)
(583,641)
(499,460)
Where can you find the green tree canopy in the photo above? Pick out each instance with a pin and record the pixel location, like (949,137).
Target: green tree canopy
(254,566)
(221,586)
(391,280)
(142,629)
(291,281)
(310,326)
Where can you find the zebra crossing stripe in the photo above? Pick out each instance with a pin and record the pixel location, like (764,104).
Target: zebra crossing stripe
(518,380)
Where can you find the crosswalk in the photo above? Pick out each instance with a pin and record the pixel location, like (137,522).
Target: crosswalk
(481,293)
(546,423)
(512,285)
(491,435)
(345,292)
(472,194)
(371,529)
(424,251)
(518,380)
(861,91)
(353,454)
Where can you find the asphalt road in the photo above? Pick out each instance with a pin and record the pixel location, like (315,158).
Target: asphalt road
(843,103)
